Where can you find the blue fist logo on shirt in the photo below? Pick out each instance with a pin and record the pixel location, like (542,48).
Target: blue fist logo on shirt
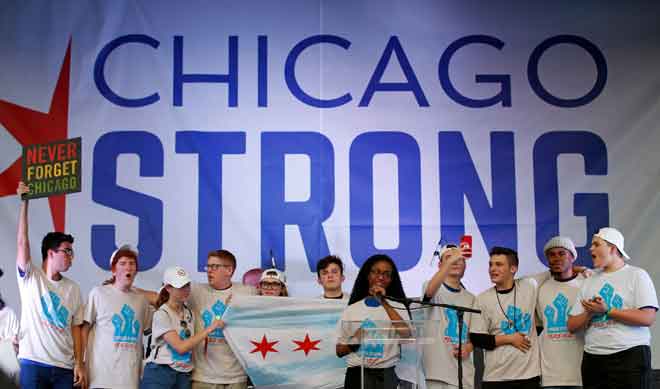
(371,349)
(127,328)
(452,326)
(522,322)
(611,299)
(557,316)
(207,316)
(185,357)
(55,313)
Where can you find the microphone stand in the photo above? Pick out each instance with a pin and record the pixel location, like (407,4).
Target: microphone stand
(460,311)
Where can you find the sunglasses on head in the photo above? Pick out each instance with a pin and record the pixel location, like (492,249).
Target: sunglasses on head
(186,330)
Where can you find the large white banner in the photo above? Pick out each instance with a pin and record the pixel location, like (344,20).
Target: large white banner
(345,127)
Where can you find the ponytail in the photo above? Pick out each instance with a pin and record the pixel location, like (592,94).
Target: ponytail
(163,296)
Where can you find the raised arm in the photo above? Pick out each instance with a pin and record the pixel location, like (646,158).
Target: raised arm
(22,240)
(439,277)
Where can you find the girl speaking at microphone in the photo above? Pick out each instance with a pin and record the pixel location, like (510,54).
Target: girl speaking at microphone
(368,308)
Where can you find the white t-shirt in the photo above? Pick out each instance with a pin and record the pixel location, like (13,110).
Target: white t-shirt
(8,324)
(118,320)
(375,354)
(439,362)
(561,351)
(164,321)
(48,309)
(627,288)
(506,362)
(8,330)
(217,365)
(344,297)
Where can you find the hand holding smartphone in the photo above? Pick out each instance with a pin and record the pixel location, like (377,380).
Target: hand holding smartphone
(466,246)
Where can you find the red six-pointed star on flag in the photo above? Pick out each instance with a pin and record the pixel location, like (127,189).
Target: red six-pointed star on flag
(307,345)
(264,346)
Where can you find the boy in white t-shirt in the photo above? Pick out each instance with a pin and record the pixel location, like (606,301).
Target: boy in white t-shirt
(50,341)
(441,357)
(506,327)
(330,273)
(216,367)
(616,306)
(561,350)
(114,320)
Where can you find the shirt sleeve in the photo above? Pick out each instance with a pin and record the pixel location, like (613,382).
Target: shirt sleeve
(347,326)
(577,308)
(645,296)
(90,308)
(480,323)
(77,318)
(161,324)
(23,276)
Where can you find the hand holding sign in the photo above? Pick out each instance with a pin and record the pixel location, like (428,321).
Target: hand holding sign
(52,168)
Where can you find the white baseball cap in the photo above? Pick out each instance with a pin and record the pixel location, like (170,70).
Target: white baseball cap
(273,274)
(563,242)
(127,247)
(613,236)
(176,276)
(446,248)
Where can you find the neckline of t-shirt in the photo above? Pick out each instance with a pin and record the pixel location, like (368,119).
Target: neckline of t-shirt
(625,266)
(221,290)
(452,289)
(575,275)
(505,291)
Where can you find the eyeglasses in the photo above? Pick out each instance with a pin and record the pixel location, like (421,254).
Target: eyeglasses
(384,274)
(270,285)
(186,330)
(66,251)
(216,266)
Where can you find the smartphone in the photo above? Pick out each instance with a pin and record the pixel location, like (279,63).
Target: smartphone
(466,244)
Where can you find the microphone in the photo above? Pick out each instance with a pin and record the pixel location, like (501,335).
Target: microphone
(403,300)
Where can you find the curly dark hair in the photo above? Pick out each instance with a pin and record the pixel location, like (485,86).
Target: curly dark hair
(361,286)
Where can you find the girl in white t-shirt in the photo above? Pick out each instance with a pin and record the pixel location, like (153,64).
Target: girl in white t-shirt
(170,361)
(368,307)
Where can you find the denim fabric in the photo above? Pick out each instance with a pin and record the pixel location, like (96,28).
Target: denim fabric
(39,376)
(164,377)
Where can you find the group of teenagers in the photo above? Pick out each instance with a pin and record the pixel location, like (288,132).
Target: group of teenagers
(564,328)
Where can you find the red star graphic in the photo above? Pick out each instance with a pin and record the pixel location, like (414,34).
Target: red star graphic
(28,127)
(307,345)
(264,346)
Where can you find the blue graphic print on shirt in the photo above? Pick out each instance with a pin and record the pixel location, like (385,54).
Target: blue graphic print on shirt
(217,309)
(55,313)
(611,299)
(127,328)
(557,315)
(522,322)
(185,357)
(452,326)
(371,349)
